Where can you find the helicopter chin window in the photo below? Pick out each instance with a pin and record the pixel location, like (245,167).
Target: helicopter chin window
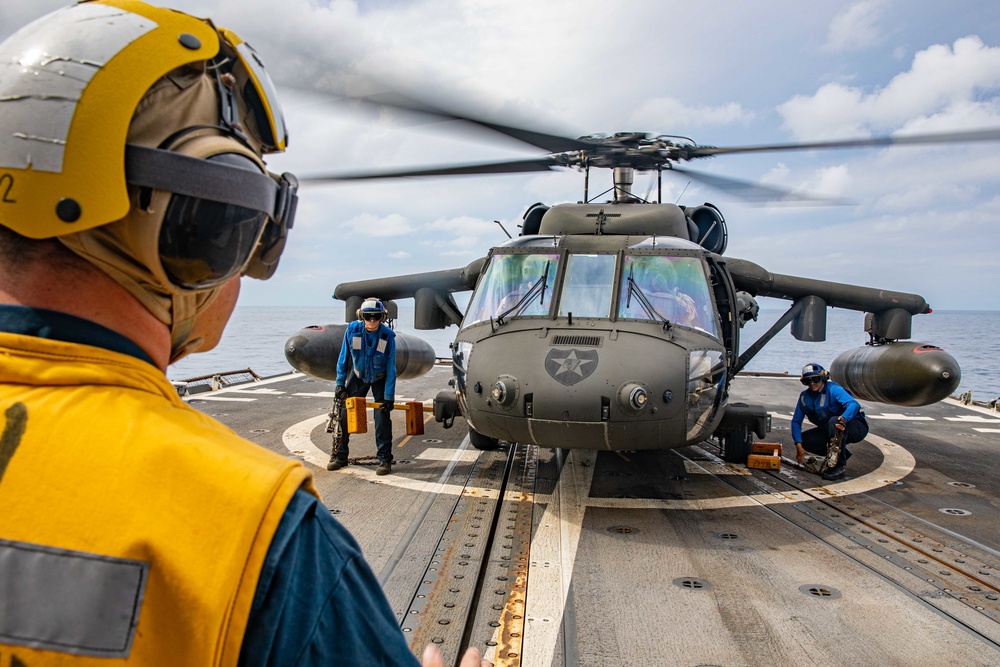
(460,360)
(706,376)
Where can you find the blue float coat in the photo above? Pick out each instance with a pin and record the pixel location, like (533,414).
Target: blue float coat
(821,406)
(373,356)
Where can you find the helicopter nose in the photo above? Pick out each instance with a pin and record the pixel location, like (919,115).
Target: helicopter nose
(580,386)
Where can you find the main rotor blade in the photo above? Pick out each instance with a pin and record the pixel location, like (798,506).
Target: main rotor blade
(510,167)
(552,143)
(935,138)
(757,192)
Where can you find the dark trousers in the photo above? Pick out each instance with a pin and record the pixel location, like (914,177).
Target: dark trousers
(383,422)
(816,440)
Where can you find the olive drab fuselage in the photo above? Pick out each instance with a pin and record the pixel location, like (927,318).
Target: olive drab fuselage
(620,346)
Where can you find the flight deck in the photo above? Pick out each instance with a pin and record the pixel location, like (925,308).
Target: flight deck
(547,558)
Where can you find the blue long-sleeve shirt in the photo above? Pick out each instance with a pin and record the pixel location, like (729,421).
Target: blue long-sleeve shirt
(373,355)
(822,406)
(317,600)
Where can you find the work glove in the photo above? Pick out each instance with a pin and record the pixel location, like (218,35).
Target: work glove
(340,392)
(387,407)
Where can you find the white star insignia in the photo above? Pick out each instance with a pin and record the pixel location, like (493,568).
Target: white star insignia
(571,364)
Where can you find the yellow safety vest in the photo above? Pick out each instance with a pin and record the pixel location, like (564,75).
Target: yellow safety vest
(132,527)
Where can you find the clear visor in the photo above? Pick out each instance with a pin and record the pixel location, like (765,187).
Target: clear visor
(259,94)
(204,243)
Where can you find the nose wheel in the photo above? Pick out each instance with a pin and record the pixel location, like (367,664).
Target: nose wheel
(737,445)
(480,441)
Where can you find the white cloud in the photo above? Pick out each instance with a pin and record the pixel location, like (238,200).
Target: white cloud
(777,174)
(856,27)
(671,112)
(942,81)
(835,181)
(463,237)
(368,224)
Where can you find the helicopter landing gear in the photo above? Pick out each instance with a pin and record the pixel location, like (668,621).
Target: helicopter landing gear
(735,432)
(737,445)
(482,442)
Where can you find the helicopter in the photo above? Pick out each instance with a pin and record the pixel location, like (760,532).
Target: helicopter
(615,324)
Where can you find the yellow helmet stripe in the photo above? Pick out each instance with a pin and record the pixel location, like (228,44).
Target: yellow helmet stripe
(142,43)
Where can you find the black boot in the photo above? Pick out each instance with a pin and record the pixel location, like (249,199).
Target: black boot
(335,463)
(835,473)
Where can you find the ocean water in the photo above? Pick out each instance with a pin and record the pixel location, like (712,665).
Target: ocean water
(256,335)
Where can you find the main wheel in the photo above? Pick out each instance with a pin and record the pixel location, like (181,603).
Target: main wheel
(737,445)
(480,441)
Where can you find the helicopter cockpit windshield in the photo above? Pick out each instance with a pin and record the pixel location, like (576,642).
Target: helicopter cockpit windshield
(675,288)
(588,286)
(661,288)
(519,284)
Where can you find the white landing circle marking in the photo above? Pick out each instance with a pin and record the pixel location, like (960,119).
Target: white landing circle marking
(896,464)
(297,441)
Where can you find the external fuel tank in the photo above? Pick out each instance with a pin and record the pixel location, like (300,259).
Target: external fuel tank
(902,373)
(314,351)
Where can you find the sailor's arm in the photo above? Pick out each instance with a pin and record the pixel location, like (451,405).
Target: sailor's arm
(797,418)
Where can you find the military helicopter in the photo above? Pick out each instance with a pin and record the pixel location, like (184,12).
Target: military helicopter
(616,324)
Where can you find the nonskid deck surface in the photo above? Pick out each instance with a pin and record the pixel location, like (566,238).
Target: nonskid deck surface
(552,557)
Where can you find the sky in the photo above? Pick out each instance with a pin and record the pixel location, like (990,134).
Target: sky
(724,73)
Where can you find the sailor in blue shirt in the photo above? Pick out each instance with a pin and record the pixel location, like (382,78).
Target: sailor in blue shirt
(827,405)
(368,360)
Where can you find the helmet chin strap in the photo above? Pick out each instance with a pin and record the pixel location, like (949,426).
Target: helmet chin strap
(184,310)
(177,309)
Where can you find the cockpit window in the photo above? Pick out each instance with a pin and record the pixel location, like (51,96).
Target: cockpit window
(588,286)
(520,282)
(674,288)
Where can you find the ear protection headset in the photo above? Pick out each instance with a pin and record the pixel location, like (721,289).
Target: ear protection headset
(228,215)
(813,371)
(373,305)
(155,123)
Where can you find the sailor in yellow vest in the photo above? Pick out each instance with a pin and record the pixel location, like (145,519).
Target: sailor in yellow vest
(134,529)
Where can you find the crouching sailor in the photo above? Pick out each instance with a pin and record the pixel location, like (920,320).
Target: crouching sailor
(827,405)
